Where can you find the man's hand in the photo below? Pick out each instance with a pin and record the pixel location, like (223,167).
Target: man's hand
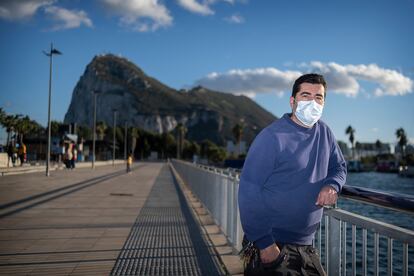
(327,196)
(269,254)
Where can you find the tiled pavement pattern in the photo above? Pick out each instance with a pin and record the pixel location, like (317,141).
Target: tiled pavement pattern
(165,239)
(84,222)
(75,231)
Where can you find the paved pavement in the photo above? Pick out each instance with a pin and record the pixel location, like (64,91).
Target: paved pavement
(87,222)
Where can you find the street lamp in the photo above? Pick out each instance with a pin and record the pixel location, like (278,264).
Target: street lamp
(113,148)
(125,140)
(50,54)
(95,94)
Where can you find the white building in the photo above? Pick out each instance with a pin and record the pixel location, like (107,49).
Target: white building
(234,149)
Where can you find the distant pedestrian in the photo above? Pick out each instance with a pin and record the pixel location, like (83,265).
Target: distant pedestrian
(129,162)
(69,156)
(22,153)
(10,154)
(74,156)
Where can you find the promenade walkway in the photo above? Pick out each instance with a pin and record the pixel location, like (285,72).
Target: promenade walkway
(100,222)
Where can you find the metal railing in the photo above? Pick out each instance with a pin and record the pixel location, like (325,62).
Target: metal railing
(380,248)
(380,198)
(217,190)
(337,224)
(346,253)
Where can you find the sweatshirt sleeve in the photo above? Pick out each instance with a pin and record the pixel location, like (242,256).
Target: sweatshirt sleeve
(257,168)
(337,168)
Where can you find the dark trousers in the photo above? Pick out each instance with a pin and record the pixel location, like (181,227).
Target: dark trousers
(299,260)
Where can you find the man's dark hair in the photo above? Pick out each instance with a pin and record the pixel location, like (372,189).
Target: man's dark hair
(308,78)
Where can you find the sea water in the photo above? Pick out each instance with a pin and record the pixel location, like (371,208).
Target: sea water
(382,182)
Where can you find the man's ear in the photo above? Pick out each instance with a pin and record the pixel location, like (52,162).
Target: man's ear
(292,102)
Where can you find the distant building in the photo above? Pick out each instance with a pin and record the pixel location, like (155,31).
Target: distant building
(371,149)
(409,149)
(236,149)
(345,150)
(364,149)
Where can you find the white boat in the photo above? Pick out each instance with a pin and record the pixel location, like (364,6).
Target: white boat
(406,171)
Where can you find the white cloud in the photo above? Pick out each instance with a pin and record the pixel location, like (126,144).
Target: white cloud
(21,9)
(342,79)
(195,7)
(68,19)
(24,9)
(209,2)
(140,15)
(251,81)
(203,6)
(235,18)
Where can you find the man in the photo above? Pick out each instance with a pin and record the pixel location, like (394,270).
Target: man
(22,153)
(293,168)
(129,162)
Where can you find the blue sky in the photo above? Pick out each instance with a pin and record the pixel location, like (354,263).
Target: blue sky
(256,48)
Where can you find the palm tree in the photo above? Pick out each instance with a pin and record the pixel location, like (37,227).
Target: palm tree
(402,140)
(4,123)
(21,125)
(3,119)
(10,123)
(350,131)
(100,129)
(145,146)
(25,126)
(134,137)
(54,127)
(238,133)
(84,132)
(167,141)
(194,149)
(181,130)
(2,115)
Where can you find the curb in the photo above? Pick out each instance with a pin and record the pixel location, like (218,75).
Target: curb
(34,169)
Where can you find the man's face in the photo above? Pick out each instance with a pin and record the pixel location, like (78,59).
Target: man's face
(308,92)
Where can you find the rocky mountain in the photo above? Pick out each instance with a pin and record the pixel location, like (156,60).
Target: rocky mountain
(144,102)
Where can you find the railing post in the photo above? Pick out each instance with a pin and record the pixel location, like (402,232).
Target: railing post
(239,229)
(334,247)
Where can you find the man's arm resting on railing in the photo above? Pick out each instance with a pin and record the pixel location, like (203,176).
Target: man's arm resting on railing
(335,179)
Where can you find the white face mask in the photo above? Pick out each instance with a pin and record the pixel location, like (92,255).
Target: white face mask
(308,112)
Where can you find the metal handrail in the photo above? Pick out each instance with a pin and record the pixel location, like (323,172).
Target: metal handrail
(392,231)
(393,201)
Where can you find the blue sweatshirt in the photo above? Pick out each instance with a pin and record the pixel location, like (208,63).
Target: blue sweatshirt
(286,167)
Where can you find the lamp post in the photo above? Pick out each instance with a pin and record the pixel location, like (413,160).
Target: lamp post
(95,94)
(50,54)
(113,148)
(125,140)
